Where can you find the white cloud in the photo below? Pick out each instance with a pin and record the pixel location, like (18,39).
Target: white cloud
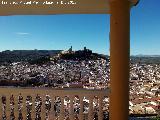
(22,33)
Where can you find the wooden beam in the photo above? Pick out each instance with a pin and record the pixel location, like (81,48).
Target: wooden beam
(57,7)
(47,7)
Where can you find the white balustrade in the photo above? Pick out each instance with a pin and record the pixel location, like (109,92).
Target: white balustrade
(90,113)
(71,116)
(62,109)
(59,108)
(100,112)
(81,108)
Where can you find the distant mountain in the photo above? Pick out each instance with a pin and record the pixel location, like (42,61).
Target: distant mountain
(146,59)
(141,55)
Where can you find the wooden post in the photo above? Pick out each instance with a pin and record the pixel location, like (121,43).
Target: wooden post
(119,56)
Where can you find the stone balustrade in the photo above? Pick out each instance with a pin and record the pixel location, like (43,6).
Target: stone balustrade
(51,104)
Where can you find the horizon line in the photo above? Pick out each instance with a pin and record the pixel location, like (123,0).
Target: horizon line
(141,55)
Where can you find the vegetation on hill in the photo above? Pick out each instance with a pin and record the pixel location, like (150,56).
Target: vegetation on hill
(26,55)
(42,56)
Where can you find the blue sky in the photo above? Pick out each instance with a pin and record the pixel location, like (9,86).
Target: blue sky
(92,31)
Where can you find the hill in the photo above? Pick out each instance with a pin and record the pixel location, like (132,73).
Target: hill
(25,55)
(85,54)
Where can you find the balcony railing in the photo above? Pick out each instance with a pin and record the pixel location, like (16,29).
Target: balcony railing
(52,104)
